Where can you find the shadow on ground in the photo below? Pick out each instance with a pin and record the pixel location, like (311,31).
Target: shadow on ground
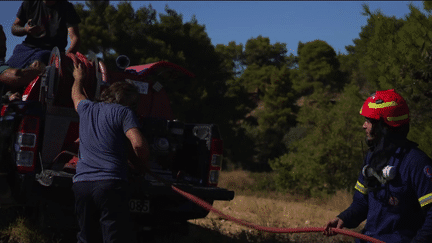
(15,228)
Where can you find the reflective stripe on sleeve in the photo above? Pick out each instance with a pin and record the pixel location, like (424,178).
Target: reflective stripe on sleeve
(361,188)
(425,200)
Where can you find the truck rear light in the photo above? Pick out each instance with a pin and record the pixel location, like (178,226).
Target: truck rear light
(216,160)
(24,158)
(216,153)
(26,139)
(214,177)
(29,124)
(216,146)
(26,144)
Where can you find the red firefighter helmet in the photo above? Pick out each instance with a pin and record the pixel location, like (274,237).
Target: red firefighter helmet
(388,105)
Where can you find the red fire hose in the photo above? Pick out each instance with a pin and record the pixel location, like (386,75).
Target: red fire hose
(209,207)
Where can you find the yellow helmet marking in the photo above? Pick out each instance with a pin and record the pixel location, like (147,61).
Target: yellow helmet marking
(382,105)
(398,118)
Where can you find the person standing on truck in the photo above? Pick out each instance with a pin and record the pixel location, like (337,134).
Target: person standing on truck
(394,190)
(46,25)
(100,182)
(13,78)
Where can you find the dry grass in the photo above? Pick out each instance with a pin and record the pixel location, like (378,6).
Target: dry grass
(243,183)
(21,231)
(273,209)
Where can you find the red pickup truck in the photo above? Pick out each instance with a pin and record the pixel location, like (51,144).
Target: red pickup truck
(39,134)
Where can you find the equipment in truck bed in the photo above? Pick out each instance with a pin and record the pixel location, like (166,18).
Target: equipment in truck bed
(42,146)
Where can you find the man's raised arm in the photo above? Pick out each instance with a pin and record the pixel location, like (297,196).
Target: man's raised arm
(77,87)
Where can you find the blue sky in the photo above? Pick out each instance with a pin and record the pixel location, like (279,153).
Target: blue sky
(336,22)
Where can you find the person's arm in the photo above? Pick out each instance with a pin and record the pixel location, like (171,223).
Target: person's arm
(77,87)
(20,28)
(17,78)
(418,170)
(74,38)
(142,153)
(425,233)
(352,216)
(356,212)
(140,149)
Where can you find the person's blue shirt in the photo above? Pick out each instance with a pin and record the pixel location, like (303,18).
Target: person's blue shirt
(102,150)
(394,210)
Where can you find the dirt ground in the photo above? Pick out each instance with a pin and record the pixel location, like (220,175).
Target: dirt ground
(269,209)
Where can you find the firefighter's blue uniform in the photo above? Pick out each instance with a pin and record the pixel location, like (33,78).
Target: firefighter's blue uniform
(397,210)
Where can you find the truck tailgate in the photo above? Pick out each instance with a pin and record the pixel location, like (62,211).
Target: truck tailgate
(151,188)
(212,193)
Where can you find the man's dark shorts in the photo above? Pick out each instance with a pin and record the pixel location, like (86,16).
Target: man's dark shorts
(23,56)
(102,210)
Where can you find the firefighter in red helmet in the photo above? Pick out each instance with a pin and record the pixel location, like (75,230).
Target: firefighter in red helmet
(394,189)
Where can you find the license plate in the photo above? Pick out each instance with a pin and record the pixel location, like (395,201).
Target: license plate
(139,206)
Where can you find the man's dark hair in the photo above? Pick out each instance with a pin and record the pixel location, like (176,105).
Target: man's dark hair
(122,93)
(402,130)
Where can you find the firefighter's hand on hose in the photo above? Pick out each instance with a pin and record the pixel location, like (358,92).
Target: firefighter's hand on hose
(334,223)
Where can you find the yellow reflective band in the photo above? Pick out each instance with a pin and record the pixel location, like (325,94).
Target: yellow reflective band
(361,188)
(398,118)
(425,200)
(361,110)
(382,105)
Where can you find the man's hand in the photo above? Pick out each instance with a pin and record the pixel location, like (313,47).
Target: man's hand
(75,39)
(32,29)
(39,66)
(334,223)
(77,93)
(78,72)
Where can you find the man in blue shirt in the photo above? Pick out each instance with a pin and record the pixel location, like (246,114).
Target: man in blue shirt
(394,190)
(100,182)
